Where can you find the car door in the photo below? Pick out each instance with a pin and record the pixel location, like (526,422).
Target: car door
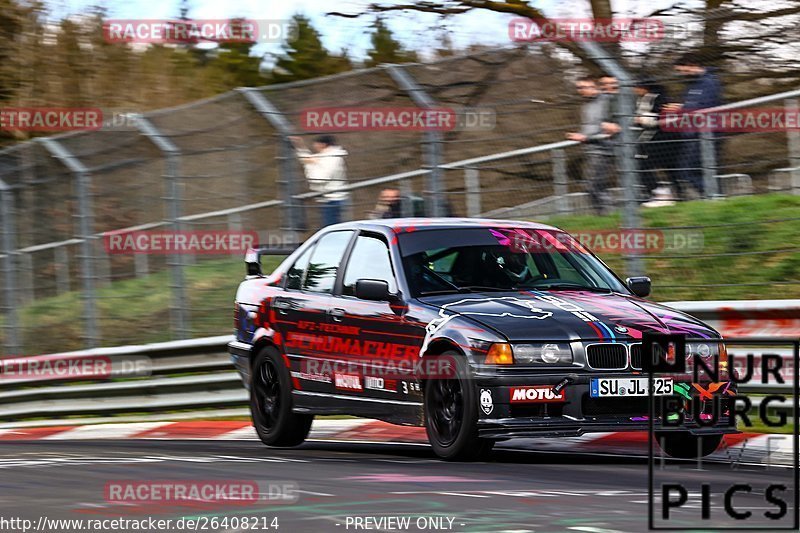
(302,309)
(374,333)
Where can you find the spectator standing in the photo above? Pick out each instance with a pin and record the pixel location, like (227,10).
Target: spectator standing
(595,134)
(326,172)
(702,92)
(389,204)
(655,150)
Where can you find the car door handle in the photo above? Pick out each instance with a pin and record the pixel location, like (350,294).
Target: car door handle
(337,314)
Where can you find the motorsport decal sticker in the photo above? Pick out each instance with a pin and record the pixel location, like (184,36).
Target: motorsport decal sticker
(536,394)
(487,404)
(527,309)
(348,382)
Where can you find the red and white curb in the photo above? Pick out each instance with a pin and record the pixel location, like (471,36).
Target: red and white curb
(741,448)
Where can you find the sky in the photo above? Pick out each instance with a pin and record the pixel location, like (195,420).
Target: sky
(415,30)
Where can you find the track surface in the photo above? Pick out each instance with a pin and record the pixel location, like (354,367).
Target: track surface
(514,491)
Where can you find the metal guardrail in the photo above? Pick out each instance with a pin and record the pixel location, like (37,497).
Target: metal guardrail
(197,375)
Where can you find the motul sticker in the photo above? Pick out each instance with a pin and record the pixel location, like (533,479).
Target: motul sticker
(348,382)
(539,394)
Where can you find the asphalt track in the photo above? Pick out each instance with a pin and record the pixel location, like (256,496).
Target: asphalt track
(515,490)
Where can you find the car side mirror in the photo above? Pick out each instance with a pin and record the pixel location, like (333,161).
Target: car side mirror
(373,289)
(640,286)
(252,260)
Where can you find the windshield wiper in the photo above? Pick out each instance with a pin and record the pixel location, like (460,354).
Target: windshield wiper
(470,288)
(466,290)
(571,287)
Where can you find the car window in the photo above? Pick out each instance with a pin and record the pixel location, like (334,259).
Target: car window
(324,264)
(369,260)
(294,276)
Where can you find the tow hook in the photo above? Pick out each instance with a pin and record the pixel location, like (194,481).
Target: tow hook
(563,383)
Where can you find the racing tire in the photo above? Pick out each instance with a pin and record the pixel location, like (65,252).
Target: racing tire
(684,445)
(271,402)
(451,415)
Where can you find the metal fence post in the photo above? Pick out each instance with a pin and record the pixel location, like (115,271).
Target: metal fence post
(11,337)
(708,156)
(793,140)
(85,233)
(432,141)
(626,105)
(472,184)
(179,306)
(61,256)
(560,189)
(288,182)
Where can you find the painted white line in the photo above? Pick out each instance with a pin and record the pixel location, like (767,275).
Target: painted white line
(105,431)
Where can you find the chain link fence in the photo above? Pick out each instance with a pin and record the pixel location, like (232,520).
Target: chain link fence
(227,164)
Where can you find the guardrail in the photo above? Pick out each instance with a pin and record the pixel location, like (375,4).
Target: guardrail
(197,375)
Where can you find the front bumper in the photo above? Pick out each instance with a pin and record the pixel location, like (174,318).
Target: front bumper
(578,413)
(240,357)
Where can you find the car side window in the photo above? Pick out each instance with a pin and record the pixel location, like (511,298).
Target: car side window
(369,260)
(325,261)
(294,276)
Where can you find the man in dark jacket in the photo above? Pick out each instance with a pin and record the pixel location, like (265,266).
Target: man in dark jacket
(703,91)
(656,150)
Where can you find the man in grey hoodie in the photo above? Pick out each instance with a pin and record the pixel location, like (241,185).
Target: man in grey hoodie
(326,172)
(596,133)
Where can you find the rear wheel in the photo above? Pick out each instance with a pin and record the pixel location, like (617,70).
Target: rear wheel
(684,445)
(451,415)
(271,402)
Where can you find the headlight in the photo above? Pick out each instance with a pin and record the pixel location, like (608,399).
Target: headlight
(548,354)
(706,350)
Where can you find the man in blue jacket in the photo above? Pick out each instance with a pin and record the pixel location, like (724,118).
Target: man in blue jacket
(703,91)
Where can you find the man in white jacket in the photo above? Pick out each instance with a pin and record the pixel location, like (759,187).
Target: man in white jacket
(326,172)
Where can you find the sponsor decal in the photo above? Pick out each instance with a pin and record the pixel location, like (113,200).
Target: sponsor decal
(307,376)
(527,310)
(487,403)
(380,384)
(536,394)
(348,382)
(347,346)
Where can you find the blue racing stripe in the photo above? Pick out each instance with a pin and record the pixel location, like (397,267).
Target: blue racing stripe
(606,328)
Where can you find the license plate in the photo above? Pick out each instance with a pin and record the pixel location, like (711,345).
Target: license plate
(608,387)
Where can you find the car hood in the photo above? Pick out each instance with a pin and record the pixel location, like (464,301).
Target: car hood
(569,315)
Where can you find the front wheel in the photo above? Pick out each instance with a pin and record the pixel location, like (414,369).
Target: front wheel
(271,402)
(684,445)
(451,415)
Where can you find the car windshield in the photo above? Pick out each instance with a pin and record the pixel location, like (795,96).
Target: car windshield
(500,259)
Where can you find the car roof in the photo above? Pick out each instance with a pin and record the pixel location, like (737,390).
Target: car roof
(422,224)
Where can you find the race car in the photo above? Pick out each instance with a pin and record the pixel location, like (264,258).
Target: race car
(478,330)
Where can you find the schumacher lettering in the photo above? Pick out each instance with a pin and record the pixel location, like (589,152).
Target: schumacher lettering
(353,347)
